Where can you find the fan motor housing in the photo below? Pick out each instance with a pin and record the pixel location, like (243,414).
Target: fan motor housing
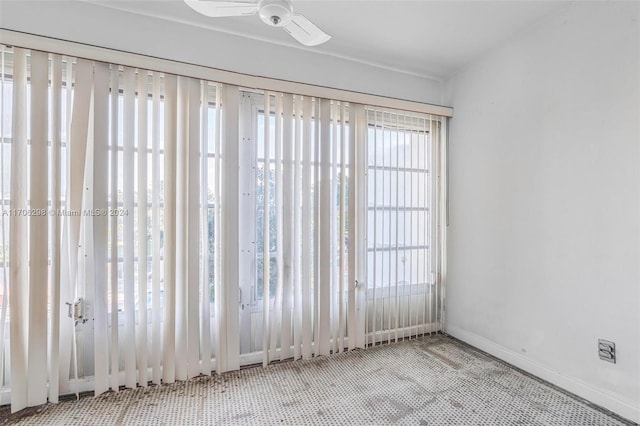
(276,13)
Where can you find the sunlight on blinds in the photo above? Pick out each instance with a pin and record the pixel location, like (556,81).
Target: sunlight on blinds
(156,227)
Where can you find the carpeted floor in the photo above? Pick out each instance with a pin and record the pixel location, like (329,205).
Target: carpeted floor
(428,381)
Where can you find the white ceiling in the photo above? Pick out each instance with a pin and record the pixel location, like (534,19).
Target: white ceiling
(425,38)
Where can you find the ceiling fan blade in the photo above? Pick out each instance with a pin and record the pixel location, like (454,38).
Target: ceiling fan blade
(220,9)
(305,31)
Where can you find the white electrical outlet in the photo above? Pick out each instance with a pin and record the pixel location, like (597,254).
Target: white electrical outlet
(607,350)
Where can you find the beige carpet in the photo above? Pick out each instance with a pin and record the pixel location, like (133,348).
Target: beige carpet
(428,381)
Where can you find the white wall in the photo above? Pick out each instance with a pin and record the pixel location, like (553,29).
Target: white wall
(105,27)
(544,232)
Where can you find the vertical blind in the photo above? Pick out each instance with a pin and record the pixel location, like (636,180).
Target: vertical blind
(156,227)
(402,225)
(302,237)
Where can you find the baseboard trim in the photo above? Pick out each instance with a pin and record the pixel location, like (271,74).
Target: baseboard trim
(624,408)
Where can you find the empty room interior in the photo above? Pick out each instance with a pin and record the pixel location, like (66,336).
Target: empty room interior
(319,212)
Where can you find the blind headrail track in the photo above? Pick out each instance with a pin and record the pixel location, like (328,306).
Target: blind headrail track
(96,53)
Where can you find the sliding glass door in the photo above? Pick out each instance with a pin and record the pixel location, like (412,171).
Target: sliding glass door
(294,177)
(283,174)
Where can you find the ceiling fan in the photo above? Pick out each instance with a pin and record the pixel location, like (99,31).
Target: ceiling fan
(276,13)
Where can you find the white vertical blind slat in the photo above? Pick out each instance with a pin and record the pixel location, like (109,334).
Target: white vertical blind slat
(409,200)
(360,221)
(193,236)
(386,229)
(440,128)
(277,305)
(374,278)
(113,187)
(128,240)
(432,153)
(38,227)
(428,223)
(217,196)
(100,225)
(421,222)
(397,226)
(361,292)
(85,292)
(3,232)
(205,312)
(307,232)
(266,250)
(142,213)
(296,230)
(55,175)
(170,150)
(288,225)
(324,227)
(333,219)
(18,284)
(156,322)
(316,255)
(64,326)
(66,329)
(351,295)
(228,355)
(77,165)
(406,319)
(341,234)
(181,229)
(420,195)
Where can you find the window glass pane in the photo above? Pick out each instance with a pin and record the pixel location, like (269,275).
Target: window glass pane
(399,220)
(7,106)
